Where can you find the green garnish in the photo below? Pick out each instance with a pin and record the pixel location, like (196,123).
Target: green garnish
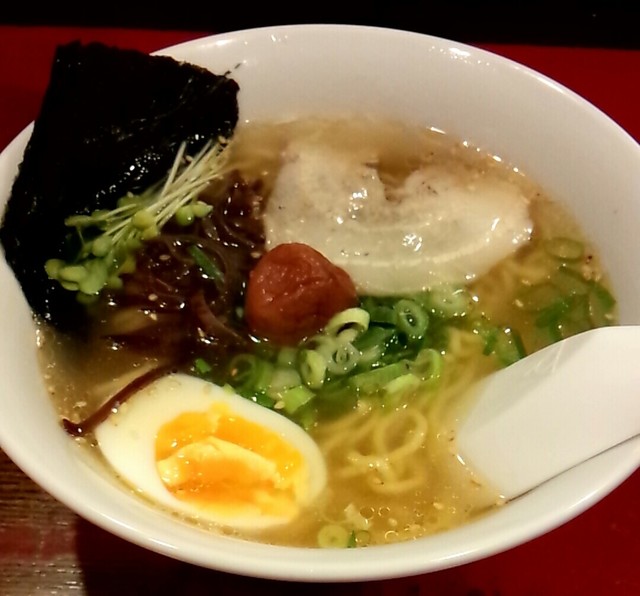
(333,536)
(568,301)
(202,367)
(109,240)
(205,264)
(389,348)
(384,348)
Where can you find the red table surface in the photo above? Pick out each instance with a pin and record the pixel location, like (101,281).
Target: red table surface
(44,548)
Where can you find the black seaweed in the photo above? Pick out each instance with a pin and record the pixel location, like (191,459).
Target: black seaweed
(111,121)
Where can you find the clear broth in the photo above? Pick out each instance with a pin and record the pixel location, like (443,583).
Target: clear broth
(384,485)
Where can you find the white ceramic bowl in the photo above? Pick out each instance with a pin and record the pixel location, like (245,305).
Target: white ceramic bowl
(577,153)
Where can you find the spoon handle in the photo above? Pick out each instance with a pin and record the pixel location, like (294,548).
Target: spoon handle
(554,409)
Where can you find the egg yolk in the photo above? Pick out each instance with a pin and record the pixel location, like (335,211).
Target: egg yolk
(221,461)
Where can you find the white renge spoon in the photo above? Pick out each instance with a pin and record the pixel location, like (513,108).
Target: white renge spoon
(553,410)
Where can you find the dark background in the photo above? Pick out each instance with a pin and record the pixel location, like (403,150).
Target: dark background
(581,24)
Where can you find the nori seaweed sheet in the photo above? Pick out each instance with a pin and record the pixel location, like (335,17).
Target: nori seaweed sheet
(111,121)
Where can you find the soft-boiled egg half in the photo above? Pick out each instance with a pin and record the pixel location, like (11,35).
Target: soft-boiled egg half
(205,452)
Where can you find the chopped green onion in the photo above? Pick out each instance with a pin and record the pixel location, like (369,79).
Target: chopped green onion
(343,359)
(537,297)
(201,366)
(601,304)
(553,312)
(509,347)
(569,282)
(411,319)
(402,384)
(295,397)
(281,379)
(306,417)
(262,399)
(313,368)
(287,356)
(250,374)
(324,345)
(489,334)
(448,302)
(380,314)
(333,536)
(372,344)
(361,537)
(577,318)
(205,264)
(347,336)
(374,380)
(428,364)
(351,318)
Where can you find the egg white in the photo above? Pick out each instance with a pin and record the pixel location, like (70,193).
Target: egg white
(127,441)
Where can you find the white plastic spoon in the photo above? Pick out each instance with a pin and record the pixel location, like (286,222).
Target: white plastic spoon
(554,409)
